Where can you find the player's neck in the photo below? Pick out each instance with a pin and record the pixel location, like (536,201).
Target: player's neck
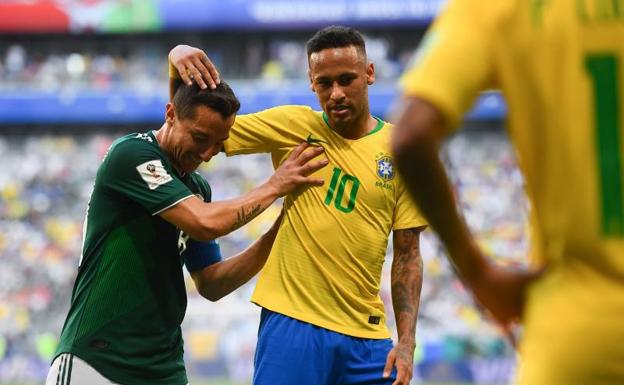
(358,128)
(161,136)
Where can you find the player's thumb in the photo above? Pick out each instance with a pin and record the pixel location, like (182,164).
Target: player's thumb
(389,364)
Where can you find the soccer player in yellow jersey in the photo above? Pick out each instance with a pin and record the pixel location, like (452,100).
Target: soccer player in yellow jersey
(323,321)
(560,65)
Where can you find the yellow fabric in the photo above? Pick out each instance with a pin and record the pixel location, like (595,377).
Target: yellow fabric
(325,266)
(173,71)
(553,60)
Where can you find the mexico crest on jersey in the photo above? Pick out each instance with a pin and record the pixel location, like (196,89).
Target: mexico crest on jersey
(385,168)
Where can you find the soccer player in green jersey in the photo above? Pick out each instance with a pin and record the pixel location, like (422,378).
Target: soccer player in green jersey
(560,65)
(149,214)
(323,321)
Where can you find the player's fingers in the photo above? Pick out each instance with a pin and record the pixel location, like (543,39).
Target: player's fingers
(184,74)
(204,73)
(194,75)
(312,167)
(298,150)
(404,374)
(389,364)
(314,181)
(310,154)
(214,74)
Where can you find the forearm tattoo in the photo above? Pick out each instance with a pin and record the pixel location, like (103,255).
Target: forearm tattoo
(406,281)
(244,216)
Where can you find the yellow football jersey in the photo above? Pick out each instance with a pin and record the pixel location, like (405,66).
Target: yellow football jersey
(325,265)
(560,65)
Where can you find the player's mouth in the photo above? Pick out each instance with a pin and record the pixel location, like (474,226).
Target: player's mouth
(340,111)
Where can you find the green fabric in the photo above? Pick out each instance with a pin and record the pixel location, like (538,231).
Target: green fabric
(129,298)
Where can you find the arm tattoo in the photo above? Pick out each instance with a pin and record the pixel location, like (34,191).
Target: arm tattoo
(406,281)
(243,217)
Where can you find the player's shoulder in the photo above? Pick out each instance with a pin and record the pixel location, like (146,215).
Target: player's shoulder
(292,115)
(134,140)
(291,111)
(485,12)
(133,146)
(202,184)
(295,108)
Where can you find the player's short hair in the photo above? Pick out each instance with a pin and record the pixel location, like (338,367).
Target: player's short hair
(336,36)
(221,99)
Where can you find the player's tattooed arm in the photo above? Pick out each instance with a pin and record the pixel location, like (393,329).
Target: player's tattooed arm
(204,221)
(245,215)
(406,283)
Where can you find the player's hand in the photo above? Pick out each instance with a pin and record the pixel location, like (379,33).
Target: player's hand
(296,170)
(402,358)
(194,65)
(502,292)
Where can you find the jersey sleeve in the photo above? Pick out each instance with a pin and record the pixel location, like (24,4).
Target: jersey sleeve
(406,213)
(455,61)
(140,172)
(266,130)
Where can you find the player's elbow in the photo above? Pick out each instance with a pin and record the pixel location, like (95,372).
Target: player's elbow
(213,291)
(211,295)
(207,286)
(203,228)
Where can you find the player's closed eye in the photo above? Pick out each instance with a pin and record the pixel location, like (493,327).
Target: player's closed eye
(346,80)
(324,83)
(200,139)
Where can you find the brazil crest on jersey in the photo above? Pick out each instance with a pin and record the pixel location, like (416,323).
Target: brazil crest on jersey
(325,265)
(129,297)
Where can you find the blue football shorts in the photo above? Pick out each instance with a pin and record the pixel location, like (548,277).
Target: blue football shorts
(292,352)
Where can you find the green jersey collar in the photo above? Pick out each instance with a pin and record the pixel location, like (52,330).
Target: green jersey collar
(380,123)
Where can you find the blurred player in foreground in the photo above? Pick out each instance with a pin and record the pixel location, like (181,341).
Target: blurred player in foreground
(149,214)
(560,65)
(323,321)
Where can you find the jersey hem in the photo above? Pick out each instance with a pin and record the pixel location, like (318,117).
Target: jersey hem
(410,226)
(98,368)
(380,335)
(173,204)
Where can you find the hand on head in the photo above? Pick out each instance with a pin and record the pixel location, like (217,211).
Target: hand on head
(193,65)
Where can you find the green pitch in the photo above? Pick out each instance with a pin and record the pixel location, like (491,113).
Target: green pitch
(226,382)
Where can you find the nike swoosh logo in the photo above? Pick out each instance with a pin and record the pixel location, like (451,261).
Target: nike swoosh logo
(312,140)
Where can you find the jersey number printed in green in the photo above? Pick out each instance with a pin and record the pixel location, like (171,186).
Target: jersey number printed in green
(603,69)
(346,179)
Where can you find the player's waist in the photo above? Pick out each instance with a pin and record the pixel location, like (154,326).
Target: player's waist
(361,319)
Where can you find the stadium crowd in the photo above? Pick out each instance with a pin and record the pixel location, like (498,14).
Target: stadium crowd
(46,182)
(44,190)
(66,65)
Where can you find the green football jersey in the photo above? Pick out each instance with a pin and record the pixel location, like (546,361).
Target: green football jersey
(129,298)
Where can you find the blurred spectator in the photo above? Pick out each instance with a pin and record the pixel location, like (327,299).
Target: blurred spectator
(43,195)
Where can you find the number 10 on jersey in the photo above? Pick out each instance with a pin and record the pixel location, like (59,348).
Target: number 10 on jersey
(603,69)
(346,182)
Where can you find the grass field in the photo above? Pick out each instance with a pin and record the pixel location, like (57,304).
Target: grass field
(226,382)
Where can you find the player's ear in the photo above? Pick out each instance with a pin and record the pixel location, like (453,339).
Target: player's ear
(370,74)
(170,113)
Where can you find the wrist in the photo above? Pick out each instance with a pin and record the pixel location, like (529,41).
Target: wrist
(173,71)
(408,343)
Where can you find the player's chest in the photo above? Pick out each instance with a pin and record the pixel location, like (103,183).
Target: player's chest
(366,178)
